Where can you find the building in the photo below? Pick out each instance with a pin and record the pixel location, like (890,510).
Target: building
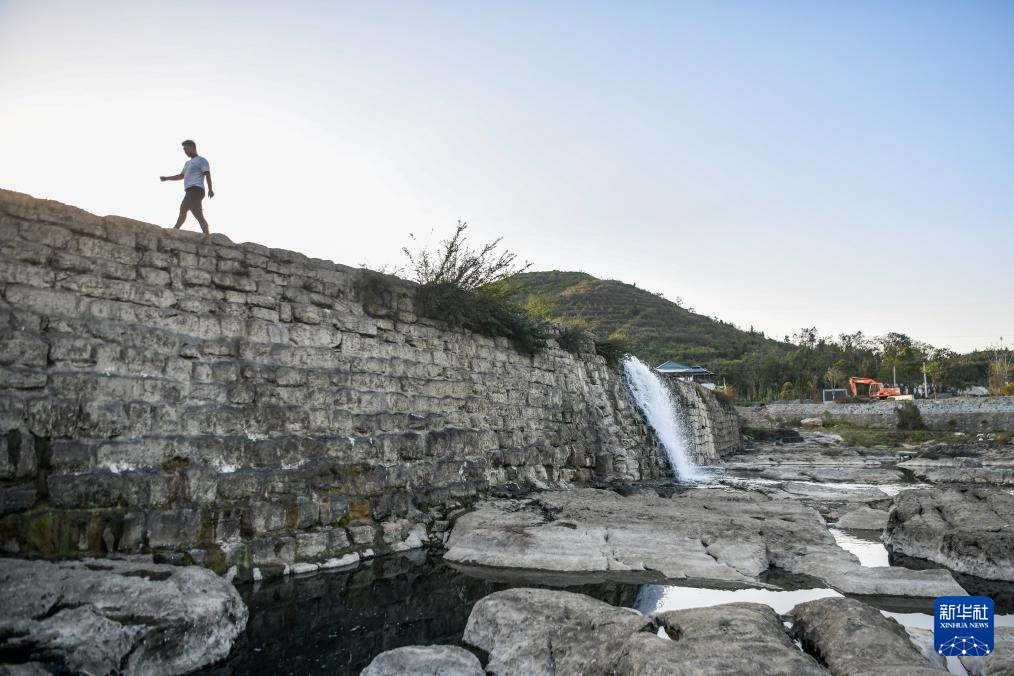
(697,374)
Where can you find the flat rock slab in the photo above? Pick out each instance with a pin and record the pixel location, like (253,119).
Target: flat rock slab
(111,616)
(432,660)
(965,465)
(966,530)
(866,475)
(864,518)
(532,632)
(854,639)
(727,536)
(818,492)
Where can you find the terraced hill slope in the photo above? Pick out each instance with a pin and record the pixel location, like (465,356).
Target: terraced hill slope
(654,328)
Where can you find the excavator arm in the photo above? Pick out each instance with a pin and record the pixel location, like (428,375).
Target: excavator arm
(860,381)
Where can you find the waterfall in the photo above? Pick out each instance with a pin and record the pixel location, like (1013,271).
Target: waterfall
(655,401)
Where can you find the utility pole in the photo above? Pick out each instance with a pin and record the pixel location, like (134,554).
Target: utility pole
(925,387)
(894,374)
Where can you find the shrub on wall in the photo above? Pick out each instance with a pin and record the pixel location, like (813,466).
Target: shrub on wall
(575,338)
(487,311)
(909,417)
(613,350)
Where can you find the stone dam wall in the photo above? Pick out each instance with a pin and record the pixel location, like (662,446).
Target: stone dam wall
(250,408)
(711,423)
(971,415)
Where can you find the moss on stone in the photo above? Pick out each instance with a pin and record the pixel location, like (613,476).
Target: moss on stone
(206,527)
(358,510)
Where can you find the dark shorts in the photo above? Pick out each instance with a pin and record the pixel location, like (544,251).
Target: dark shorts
(192,199)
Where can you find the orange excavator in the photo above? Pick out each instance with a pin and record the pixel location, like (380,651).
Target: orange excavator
(877,390)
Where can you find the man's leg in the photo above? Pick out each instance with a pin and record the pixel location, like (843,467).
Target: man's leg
(183,217)
(184,206)
(198,209)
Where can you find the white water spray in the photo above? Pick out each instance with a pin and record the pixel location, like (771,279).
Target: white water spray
(655,400)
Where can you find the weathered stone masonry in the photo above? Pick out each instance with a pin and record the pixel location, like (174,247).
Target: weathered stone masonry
(711,423)
(163,391)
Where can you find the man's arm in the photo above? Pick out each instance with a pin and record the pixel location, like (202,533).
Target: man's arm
(211,191)
(177,177)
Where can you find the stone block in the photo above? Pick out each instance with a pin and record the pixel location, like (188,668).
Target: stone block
(154,276)
(273,551)
(338,540)
(361,535)
(49,302)
(225,280)
(71,348)
(308,512)
(264,517)
(17,498)
(50,235)
(311,545)
(17,272)
(23,349)
(172,529)
(134,529)
(193,276)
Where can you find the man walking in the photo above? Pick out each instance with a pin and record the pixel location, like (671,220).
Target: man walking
(194,172)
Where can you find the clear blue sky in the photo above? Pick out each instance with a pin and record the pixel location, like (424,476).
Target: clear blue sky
(777,164)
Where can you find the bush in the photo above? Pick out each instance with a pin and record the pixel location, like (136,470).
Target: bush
(612,350)
(487,311)
(726,396)
(909,417)
(469,289)
(1008,390)
(574,338)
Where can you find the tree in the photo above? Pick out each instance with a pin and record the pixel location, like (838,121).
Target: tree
(934,370)
(999,369)
(833,375)
(786,392)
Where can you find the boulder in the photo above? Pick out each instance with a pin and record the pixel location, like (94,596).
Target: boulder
(114,616)
(854,639)
(970,531)
(734,638)
(811,422)
(433,660)
(539,631)
(534,632)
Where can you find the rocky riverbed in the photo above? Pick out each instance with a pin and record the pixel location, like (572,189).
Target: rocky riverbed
(779,560)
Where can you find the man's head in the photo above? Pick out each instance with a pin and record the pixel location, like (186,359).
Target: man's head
(190,148)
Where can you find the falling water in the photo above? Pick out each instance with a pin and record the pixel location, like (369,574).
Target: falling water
(655,401)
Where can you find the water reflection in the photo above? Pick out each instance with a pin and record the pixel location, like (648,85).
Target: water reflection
(656,598)
(337,622)
(870,551)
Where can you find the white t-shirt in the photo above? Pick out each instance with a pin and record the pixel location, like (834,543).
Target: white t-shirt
(193,172)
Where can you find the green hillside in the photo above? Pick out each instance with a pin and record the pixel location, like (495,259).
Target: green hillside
(653,328)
